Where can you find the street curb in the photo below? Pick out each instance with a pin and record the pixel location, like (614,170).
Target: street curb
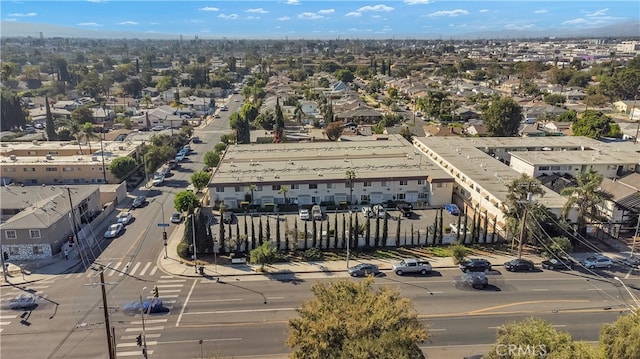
(21,283)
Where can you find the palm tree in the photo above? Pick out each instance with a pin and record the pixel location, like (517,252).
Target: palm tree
(284,190)
(586,196)
(350,175)
(86,132)
(75,130)
(252,187)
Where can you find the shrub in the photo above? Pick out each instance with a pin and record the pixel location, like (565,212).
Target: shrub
(183,250)
(459,253)
(312,254)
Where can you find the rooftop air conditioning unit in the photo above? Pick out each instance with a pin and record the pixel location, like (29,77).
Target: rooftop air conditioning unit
(49,157)
(94,158)
(13,157)
(35,143)
(121,148)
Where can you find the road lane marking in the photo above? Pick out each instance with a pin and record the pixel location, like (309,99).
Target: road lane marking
(131,337)
(275,297)
(218,300)
(437,330)
(135,268)
(193,286)
(243,311)
(153,271)
(540,290)
(160,286)
(524,303)
(124,270)
(171,290)
(5,323)
(204,340)
(150,321)
(168,296)
(144,269)
(553,325)
(121,345)
(114,268)
(166,276)
(8,316)
(133,353)
(139,329)
(169,281)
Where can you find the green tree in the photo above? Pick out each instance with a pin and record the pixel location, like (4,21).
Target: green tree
(344,75)
(49,125)
(558,247)
(554,99)
(82,115)
(185,201)
(122,167)
(594,124)
(264,254)
(87,134)
(459,253)
(334,130)
(332,324)
(503,117)
(620,339)
(211,159)
(587,196)
(200,180)
(541,339)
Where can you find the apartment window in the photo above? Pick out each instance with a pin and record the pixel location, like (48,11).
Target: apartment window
(424,195)
(51,169)
(367,184)
(67,169)
(10,234)
(556,168)
(329,185)
(543,168)
(440,185)
(34,233)
(275,187)
(38,250)
(313,186)
(400,197)
(32,153)
(404,183)
(258,188)
(9,169)
(383,184)
(295,186)
(53,152)
(29,169)
(420,182)
(14,251)
(238,188)
(364,197)
(219,189)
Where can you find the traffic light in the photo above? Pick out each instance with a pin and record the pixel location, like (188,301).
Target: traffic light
(155,292)
(70,239)
(164,235)
(139,340)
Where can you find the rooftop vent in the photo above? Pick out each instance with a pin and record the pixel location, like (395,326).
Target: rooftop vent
(13,157)
(49,157)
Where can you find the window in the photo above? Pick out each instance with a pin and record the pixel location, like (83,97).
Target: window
(51,169)
(364,197)
(34,233)
(400,197)
(29,169)
(238,188)
(14,251)
(295,186)
(38,250)
(258,188)
(423,195)
(67,169)
(53,152)
(313,186)
(9,169)
(219,189)
(384,184)
(404,183)
(275,187)
(440,185)
(329,185)
(367,184)
(420,182)
(10,234)
(543,168)
(32,153)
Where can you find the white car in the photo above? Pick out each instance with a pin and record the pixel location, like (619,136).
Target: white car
(378,210)
(114,230)
(157,128)
(124,218)
(304,214)
(158,180)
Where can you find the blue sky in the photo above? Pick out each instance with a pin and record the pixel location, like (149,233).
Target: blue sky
(318,19)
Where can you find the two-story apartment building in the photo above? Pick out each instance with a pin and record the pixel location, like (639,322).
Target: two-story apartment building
(385,168)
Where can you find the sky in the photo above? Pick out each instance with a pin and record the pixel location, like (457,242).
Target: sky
(317,19)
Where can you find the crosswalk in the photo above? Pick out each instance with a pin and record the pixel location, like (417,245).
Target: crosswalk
(9,316)
(119,269)
(169,288)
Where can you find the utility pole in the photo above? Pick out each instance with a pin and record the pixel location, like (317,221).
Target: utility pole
(523,230)
(350,176)
(193,235)
(110,345)
(144,333)
(635,236)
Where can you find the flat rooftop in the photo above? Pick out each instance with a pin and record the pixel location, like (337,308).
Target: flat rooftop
(112,150)
(390,158)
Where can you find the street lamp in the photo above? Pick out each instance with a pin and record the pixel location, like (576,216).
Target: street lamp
(144,334)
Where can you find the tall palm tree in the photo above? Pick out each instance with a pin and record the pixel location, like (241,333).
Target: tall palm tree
(86,132)
(75,130)
(284,190)
(252,187)
(586,196)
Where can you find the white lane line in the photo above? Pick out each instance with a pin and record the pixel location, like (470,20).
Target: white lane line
(124,270)
(169,301)
(220,300)
(171,290)
(553,325)
(184,306)
(275,298)
(114,268)
(206,340)
(149,321)
(131,337)
(166,276)
(242,311)
(8,316)
(153,271)
(540,290)
(139,329)
(167,296)
(135,268)
(437,330)
(144,269)
(160,286)
(122,345)
(168,281)
(5,323)
(133,353)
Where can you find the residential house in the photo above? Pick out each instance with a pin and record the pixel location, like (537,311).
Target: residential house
(559,127)
(442,131)
(359,115)
(624,205)
(475,130)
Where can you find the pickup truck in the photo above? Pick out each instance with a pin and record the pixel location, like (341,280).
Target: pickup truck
(412,265)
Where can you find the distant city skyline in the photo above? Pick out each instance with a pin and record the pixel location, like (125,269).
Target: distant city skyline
(314,19)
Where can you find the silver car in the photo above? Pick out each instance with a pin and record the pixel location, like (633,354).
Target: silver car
(598,262)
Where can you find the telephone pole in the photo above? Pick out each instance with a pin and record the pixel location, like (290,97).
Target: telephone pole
(110,346)
(523,230)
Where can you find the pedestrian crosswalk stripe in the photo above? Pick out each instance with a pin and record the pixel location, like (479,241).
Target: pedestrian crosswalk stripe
(139,329)
(135,267)
(131,337)
(171,290)
(172,280)
(133,353)
(150,321)
(125,269)
(160,286)
(153,271)
(144,269)
(166,276)
(8,316)
(114,268)
(121,345)
(5,323)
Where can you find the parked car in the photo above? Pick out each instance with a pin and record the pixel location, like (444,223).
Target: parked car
(227,217)
(304,214)
(153,305)
(477,280)
(405,209)
(157,180)
(316,212)
(367,212)
(157,128)
(139,201)
(598,261)
(172,164)
(114,230)
(633,262)
(378,210)
(558,264)
(196,139)
(452,209)
(180,157)
(517,265)
(364,269)
(412,265)
(176,217)
(124,218)
(475,265)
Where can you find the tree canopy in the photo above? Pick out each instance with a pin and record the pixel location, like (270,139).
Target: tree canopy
(620,338)
(503,117)
(347,319)
(122,167)
(200,180)
(185,201)
(595,124)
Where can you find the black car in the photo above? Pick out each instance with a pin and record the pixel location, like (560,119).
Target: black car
(475,265)
(364,269)
(139,201)
(558,264)
(477,280)
(517,265)
(405,209)
(148,306)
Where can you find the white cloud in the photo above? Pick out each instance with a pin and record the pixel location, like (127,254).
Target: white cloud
(575,22)
(310,16)
(326,11)
(379,7)
(251,17)
(484,10)
(293,2)
(519,27)
(541,11)
(284,18)
(30,14)
(456,12)
(209,8)
(128,23)
(258,11)
(354,29)
(600,12)
(93,24)
(418,2)
(228,17)
(354,14)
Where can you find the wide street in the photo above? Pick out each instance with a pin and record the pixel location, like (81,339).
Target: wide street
(246,316)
